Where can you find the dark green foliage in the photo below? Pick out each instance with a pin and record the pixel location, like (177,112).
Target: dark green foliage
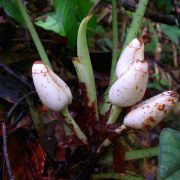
(66,18)
(169,159)
(11,8)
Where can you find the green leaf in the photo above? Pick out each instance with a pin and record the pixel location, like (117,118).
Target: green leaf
(50,23)
(164,5)
(175,176)
(65,12)
(164,83)
(12,10)
(66,18)
(172,32)
(151,47)
(169,159)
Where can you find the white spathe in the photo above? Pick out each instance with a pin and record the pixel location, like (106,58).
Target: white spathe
(132,75)
(52,90)
(134,48)
(149,113)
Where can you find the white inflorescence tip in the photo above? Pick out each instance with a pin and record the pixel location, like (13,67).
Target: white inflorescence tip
(52,90)
(149,113)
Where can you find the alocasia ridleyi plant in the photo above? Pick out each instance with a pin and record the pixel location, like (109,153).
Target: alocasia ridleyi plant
(127,88)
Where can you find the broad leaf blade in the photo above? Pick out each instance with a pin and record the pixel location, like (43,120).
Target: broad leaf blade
(172,32)
(50,23)
(66,15)
(164,6)
(12,10)
(169,159)
(66,18)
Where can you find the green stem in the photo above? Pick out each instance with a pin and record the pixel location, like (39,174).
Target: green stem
(137,21)
(114,114)
(131,155)
(106,105)
(71,122)
(115,40)
(142,153)
(34,34)
(115,176)
(115,111)
(133,32)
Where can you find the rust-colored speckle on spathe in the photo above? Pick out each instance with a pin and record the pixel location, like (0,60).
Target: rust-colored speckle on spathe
(161,107)
(141,41)
(143,61)
(171,100)
(173,94)
(148,123)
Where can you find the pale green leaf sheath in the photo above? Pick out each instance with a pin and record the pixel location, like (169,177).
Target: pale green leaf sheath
(84,69)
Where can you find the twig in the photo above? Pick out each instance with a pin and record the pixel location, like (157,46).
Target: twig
(17,103)
(154,16)
(15,75)
(5,151)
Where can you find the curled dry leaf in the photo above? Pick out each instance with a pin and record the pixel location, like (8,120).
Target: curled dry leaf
(132,75)
(52,90)
(149,113)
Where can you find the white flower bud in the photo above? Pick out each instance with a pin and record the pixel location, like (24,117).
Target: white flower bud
(52,90)
(135,47)
(131,86)
(132,73)
(148,113)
